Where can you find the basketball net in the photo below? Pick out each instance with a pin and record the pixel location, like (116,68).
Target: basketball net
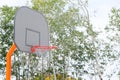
(41,51)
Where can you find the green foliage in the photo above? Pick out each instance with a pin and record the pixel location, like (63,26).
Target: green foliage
(6,31)
(115,18)
(113,30)
(70,30)
(64,22)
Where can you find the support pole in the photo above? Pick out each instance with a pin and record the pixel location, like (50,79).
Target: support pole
(8,63)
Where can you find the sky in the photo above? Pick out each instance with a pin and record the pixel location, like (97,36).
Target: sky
(98,10)
(13,2)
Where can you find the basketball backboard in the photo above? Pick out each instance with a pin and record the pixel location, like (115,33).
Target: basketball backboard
(30,29)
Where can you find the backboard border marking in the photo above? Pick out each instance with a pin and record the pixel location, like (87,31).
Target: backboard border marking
(27,29)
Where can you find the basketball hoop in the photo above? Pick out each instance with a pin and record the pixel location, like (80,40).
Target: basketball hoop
(40,50)
(25,37)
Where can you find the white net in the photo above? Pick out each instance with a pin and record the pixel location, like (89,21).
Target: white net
(40,52)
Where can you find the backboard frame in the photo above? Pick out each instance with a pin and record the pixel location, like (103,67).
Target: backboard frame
(41,43)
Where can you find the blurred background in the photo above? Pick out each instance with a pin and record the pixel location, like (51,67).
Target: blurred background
(87,33)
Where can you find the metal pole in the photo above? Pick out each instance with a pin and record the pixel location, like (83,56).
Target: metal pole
(8,63)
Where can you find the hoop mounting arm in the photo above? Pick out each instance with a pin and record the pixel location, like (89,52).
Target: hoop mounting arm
(8,63)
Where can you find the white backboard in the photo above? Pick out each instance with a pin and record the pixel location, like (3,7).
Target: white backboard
(30,29)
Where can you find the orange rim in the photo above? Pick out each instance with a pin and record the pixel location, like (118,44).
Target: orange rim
(43,48)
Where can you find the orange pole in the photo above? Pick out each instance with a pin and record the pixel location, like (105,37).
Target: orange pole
(8,63)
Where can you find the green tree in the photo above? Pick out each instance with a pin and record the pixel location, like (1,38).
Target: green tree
(71,31)
(6,32)
(113,31)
